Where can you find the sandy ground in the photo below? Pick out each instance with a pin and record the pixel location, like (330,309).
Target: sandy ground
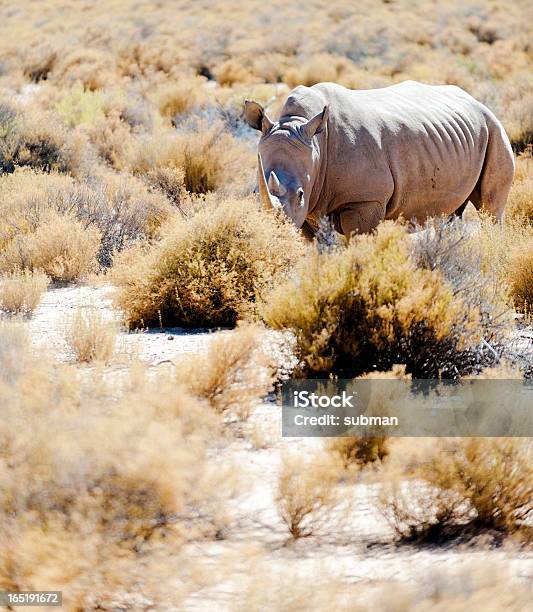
(357,552)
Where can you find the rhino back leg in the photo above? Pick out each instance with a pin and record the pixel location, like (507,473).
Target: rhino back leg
(497,174)
(358,217)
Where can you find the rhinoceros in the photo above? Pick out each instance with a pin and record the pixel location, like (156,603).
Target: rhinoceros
(361,156)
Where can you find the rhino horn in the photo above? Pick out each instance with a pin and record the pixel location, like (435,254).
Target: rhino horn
(266,199)
(274,186)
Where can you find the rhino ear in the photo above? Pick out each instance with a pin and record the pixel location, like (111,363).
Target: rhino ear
(316,124)
(256,117)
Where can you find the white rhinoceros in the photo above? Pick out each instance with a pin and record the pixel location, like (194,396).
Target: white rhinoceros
(359,157)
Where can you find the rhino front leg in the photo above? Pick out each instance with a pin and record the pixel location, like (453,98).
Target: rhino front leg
(307,231)
(358,217)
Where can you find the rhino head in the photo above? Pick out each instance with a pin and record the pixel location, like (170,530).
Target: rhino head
(288,159)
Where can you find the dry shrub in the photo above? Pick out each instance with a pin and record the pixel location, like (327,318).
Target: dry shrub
(121,208)
(175,98)
(124,210)
(91,337)
(34,139)
(369,306)
(359,451)
(521,277)
(84,509)
(93,68)
(480,585)
(307,492)
(263,434)
(233,375)
(136,112)
(269,588)
(113,140)
(210,158)
(169,181)
(231,72)
(38,62)
(21,292)
(524,165)
(61,246)
(14,350)
(317,69)
(208,269)
(520,203)
(80,106)
(507,251)
(356,452)
(460,485)
(519,122)
(459,249)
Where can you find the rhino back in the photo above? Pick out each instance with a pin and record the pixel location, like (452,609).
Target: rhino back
(412,146)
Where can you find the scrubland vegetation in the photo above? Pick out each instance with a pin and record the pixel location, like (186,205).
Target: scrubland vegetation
(209,268)
(456,485)
(123,154)
(21,292)
(90,337)
(481,585)
(439,302)
(108,484)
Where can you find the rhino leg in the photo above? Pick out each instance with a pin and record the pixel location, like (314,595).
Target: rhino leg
(459,212)
(497,175)
(307,231)
(358,217)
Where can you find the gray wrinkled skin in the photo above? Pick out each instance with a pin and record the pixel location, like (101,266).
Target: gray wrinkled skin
(358,157)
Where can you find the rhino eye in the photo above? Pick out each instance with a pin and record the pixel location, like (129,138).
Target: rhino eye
(300,193)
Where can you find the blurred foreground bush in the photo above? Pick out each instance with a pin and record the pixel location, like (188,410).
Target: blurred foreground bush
(452,486)
(106,470)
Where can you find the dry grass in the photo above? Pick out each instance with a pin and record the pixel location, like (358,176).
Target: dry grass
(460,485)
(306,492)
(61,246)
(520,205)
(37,140)
(118,208)
(479,585)
(233,375)
(91,337)
(359,452)
(21,292)
(87,508)
(521,277)
(173,99)
(209,269)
